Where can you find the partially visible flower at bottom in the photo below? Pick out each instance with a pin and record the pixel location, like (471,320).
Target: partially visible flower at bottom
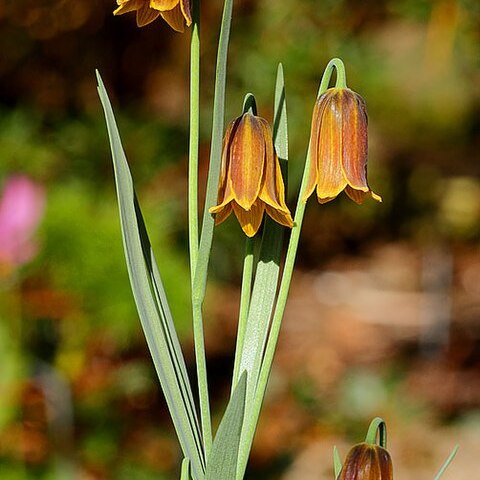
(22,204)
(177,13)
(251,180)
(367,461)
(339,147)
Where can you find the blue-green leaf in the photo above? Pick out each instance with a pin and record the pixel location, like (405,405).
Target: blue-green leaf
(152,303)
(222,464)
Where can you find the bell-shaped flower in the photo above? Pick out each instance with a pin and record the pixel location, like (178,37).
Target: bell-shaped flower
(251,180)
(177,13)
(339,147)
(367,461)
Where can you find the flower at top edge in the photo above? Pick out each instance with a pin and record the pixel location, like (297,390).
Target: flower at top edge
(177,13)
(367,461)
(339,147)
(251,180)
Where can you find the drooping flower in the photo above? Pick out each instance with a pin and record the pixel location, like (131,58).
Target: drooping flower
(339,147)
(251,180)
(367,461)
(22,205)
(177,13)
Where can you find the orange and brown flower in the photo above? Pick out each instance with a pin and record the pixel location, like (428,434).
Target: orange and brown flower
(338,147)
(367,461)
(251,180)
(177,13)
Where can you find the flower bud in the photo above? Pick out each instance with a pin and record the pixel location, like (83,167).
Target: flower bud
(338,147)
(367,461)
(251,180)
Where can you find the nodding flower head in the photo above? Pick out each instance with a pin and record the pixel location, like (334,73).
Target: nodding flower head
(367,461)
(251,180)
(177,13)
(338,147)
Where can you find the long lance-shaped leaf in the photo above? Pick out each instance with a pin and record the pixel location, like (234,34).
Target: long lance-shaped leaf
(264,290)
(222,463)
(152,304)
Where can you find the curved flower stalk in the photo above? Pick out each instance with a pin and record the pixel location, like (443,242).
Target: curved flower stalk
(338,147)
(177,13)
(251,181)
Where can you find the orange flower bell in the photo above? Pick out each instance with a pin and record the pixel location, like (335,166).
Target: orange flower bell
(177,13)
(338,147)
(367,461)
(251,181)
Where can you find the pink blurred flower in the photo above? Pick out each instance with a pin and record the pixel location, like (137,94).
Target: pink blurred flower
(22,205)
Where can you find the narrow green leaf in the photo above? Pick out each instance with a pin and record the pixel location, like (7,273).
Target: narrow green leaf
(337,462)
(448,461)
(222,463)
(152,303)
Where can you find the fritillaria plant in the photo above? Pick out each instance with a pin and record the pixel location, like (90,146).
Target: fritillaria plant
(247,174)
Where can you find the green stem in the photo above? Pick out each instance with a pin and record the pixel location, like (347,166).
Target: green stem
(337,64)
(206,237)
(208,223)
(194,137)
(246,292)
(377,428)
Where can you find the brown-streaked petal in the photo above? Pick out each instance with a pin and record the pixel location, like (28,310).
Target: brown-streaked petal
(330,178)
(175,19)
(247,158)
(250,220)
(313,147)
(224,166)
(273,189)
(280,216)
(223,214)
(185,5)
(354,140)
(358,196)
(146,15)
(163,5)
(126,6)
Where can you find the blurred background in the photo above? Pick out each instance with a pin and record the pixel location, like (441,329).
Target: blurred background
(384,313)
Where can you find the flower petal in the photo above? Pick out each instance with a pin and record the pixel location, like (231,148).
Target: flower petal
(313,147)
(358,196)
(175,19)
(354,140)
(222,213)
(331,180)
(247,158)
(163,5)
(250,220)
(186,11)
(146,15)
(280,216)
(126,6)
